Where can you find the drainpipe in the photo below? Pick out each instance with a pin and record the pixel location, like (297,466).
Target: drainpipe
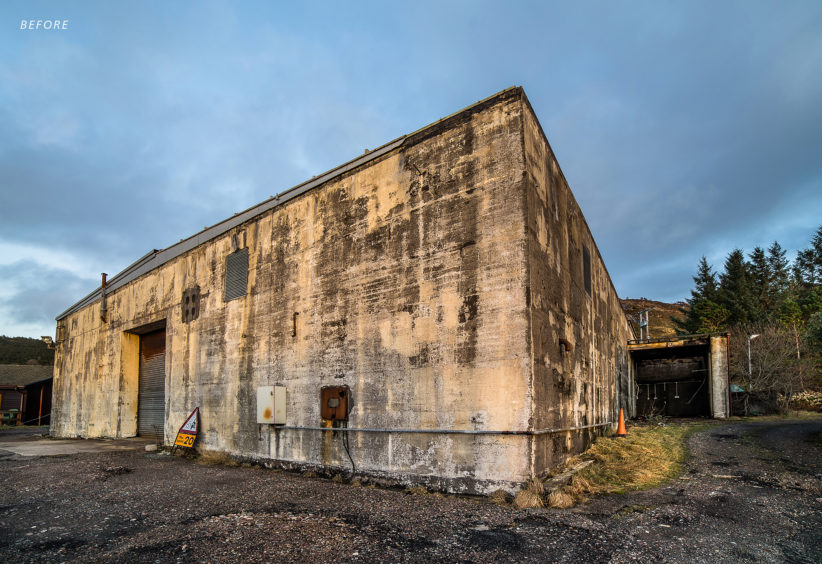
(103,307)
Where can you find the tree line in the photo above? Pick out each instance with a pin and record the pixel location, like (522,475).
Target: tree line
(23,350)
(772,304)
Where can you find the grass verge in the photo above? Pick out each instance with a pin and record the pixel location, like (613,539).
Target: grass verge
(793,414)
(647,457)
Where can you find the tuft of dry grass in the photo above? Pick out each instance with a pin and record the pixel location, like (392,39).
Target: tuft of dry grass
(646,458)
(526,499)
(338,479)
(560,499)
(309,474)
(530,495)
(416,490)
(535,485)
(212,457)
(499,497)
(356,483)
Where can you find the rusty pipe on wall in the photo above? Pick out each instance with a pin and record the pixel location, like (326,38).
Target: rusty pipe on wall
(103,306)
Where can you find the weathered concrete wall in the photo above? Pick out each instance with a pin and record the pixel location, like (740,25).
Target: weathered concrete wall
(720,407)
(589,381)
(407,276)
(436,281)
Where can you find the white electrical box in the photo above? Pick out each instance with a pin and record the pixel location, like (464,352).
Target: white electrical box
(271,405)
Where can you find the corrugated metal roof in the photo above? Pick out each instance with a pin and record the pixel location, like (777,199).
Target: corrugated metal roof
(156,258)
(23,374)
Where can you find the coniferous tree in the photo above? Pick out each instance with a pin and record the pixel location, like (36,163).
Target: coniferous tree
(804,269)
(704,314)
(810,301)
(761,285)
(816,246)
(808,277)
(769,295)
(778,267)
(808,264)
(814,333)
(734,292)
(705,281)
(790,314)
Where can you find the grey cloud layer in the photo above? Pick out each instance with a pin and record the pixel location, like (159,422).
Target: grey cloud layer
(683,130)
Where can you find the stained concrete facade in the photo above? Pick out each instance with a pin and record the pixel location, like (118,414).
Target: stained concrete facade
(447,278)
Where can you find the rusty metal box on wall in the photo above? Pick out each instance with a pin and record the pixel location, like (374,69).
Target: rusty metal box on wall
(334,403)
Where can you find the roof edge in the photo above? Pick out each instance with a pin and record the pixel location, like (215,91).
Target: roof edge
(157,258)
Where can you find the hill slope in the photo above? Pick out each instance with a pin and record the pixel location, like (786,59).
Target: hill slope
(660,319)
(22,350)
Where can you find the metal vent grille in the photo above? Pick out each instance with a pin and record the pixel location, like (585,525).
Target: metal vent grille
(236,274)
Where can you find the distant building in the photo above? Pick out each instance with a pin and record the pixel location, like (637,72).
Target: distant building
(25,394)
(435,311)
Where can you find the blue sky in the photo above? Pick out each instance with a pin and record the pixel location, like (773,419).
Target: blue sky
(683,128)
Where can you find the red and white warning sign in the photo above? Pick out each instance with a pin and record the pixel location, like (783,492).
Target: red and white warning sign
(188,432)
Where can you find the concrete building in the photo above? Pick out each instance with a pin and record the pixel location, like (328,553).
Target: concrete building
(435,311)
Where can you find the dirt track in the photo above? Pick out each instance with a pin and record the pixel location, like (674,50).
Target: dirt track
(751,492)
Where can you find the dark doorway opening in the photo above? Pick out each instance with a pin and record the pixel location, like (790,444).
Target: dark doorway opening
(672,381)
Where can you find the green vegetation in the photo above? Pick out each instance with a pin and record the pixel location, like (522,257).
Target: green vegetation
(767,288)
(22,350)
(777,302)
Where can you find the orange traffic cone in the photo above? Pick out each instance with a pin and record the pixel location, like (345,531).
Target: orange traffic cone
(621,427)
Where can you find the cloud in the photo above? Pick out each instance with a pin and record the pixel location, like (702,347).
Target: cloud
(682,129)
(31,296)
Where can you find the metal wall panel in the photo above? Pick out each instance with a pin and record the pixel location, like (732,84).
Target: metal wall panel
(152,385)
(236,274)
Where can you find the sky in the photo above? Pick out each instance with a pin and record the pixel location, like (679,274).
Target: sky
(683,128)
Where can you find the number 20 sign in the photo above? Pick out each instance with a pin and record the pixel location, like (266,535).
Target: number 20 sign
(188,432)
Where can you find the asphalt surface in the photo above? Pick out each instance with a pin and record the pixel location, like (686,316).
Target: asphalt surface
(751,492)
(34,442)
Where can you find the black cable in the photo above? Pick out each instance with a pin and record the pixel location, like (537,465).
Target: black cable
(348,451)
(35,419)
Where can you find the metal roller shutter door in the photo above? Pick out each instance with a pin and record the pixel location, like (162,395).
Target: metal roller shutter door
(151,406)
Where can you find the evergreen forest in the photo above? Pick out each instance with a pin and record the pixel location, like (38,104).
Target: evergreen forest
(770,305)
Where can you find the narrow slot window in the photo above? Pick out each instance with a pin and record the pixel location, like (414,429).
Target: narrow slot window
(586,268)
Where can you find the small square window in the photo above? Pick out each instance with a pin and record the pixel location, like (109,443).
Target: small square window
(191,304)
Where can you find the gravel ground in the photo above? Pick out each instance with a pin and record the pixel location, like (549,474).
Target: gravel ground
(750,492)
